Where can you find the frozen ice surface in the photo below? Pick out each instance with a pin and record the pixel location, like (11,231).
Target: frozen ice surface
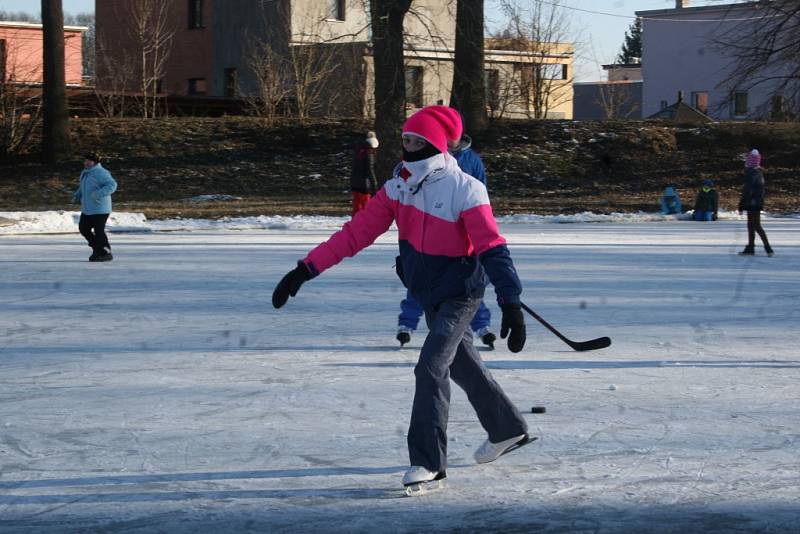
(162,393)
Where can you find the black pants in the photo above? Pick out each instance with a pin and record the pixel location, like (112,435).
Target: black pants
(93,228)
(754,227)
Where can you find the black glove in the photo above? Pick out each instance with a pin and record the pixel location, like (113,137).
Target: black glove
(290,284)
(513,323)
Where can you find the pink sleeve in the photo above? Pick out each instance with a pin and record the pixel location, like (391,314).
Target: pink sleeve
(482,228)
(354,236)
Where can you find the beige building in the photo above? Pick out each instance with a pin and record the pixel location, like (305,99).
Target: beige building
(326,47)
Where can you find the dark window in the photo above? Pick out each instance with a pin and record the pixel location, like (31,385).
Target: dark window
(2,60)
(492,81)
(195,14)
(414,86)
(664,104)
(777,107)
(700,101)
(565,72)
(197,86)
(231,82)
(523,87)
(336,9)
(740,103)
(159,86)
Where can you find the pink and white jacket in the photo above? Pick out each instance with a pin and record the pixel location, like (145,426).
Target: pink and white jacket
(448,238)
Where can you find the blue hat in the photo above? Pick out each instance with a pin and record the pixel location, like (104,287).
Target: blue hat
(709,183)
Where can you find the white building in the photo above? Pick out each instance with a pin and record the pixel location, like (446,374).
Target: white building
(682,50)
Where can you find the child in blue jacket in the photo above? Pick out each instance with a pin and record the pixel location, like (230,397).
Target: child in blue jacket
(671,202)
(94,194)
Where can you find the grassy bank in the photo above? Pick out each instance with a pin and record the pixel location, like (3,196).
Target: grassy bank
(292,168)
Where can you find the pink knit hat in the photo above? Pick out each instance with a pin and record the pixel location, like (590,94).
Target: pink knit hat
(753,159)
(435,124)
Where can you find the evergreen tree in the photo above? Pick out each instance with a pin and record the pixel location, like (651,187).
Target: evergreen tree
(632,47)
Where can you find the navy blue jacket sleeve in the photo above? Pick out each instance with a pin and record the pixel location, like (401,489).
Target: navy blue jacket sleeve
(498,266)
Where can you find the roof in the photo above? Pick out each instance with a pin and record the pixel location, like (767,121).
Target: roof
(696,9)
(622,66)
(606,82)
(682,112)
(36,26)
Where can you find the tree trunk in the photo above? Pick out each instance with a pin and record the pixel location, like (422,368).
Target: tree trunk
(390,80)
(55,136)
(469,89)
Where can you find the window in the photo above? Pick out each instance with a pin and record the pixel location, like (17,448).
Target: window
(492,80)
(565,72)
(197,86)
(195,14)
(159,86)
(700,101)
(527,82)
(414,86)
(740,103)
(664,104)
(231,82)
(336,9)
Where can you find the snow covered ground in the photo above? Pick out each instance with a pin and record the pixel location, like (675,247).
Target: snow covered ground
(162,393)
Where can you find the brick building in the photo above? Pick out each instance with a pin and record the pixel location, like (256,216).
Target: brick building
(21,46)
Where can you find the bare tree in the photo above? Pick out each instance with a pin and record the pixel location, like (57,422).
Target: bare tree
(616,100)
(152,31)
(765,52)
(18,16)
(502,92)
(312,61)
(20,106)
(118,77)
(87,40)
(539,31)
(55,136)
(469,88)
(271,72)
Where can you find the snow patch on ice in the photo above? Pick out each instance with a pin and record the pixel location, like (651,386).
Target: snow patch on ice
(59,222)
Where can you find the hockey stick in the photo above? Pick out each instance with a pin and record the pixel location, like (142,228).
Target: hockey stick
(592,344)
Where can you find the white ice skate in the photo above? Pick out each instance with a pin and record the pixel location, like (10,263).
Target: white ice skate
(489,452)
(419,480)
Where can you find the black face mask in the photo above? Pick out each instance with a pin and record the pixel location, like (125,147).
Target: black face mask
(423,153)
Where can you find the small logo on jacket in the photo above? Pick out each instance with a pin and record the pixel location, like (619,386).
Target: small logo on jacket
(438,205)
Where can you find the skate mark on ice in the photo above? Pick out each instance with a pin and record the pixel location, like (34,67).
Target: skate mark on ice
(323,495)
(118,480)
(587,364)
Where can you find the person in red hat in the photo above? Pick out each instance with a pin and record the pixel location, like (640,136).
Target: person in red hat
(449,246)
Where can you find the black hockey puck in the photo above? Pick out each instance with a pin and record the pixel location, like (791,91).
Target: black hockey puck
(538,409)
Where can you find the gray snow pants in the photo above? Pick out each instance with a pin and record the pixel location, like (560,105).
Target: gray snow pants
(448,353)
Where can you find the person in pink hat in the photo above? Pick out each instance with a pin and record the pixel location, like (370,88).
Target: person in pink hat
(752,201)
(449,247)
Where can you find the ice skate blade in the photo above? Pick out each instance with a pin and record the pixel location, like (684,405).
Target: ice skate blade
(423,488)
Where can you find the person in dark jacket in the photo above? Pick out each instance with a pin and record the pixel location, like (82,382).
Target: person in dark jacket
(410,311)
(752,201)
(362,176)
(449,244)
(94,194)
(706,205)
